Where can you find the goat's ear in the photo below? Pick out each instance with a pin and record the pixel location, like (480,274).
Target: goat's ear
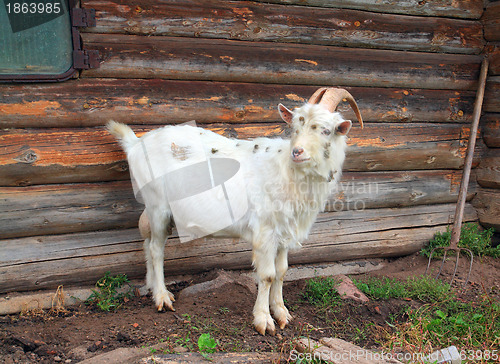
(343,128)
(286,114)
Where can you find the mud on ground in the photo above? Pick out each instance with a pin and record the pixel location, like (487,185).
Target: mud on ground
(79,332)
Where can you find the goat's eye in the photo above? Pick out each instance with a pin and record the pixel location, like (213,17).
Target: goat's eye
(296,131)
(326,132)
(301,118)
(313,127)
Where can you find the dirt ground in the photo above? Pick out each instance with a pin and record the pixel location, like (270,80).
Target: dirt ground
(79,332)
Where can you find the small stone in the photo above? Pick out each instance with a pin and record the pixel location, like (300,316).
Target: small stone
(57,358)
(180,349)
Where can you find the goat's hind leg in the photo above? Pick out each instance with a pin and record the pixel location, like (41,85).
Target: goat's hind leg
(155,249)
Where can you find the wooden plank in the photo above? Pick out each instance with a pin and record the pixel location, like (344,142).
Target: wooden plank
(491,130)
(467,9)
(129,56)
(58,209)
(492,95)
(49,261)
(491,22)
(487,204)
(43,156)
(488,173)
(251,21)
(93,102)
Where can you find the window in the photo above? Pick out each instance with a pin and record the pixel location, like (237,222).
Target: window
(39,40)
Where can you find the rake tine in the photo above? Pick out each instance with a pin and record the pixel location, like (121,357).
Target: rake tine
(456,266)
(430,259)
(470,266)
(442,263)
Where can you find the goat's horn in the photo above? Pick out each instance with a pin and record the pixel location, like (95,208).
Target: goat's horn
(331,98)
(316,96)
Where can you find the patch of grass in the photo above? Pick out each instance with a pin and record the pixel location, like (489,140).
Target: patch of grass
(471,237)
(321,292)
(441,321)
(106,296)
(381,289)
(423,288)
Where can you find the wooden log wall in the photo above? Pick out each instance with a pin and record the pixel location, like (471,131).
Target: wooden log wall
(67,208)
(487,201)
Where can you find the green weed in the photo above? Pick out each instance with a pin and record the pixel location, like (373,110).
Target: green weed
(321,292)
(206,344)
(471,237)
(106,296)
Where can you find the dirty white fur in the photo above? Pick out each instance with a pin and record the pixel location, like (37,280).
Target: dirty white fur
(285,194)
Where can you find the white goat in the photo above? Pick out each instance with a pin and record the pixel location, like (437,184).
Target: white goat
(287,183)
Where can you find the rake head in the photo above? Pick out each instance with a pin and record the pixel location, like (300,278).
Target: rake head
(445,252)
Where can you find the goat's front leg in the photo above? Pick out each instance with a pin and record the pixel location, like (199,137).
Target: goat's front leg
(263,260)
(280,312)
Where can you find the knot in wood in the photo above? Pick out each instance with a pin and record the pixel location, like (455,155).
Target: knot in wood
(27,157)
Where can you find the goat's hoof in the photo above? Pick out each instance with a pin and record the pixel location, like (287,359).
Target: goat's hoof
(282,317)
(264,323)
(164,301)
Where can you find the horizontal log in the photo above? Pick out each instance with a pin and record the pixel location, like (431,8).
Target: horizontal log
(57,209)
(492,95)
(491,130)
(491,22)
(488,173)
(93,102)
(467,9)
(49,261)
(47,156)
(369,190)
(129,56)
(487,204)
(246,20)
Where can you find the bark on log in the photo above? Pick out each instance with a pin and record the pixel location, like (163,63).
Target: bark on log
(245,20)
(93,102)
(491,130)
(467,9)
(48,156)
(492,95)
(491,22)
(487,204)
(59,209)
(488,173)
(493,51)
(128,56)
(49,261)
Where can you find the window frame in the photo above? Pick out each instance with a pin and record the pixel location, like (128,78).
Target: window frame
(79,17)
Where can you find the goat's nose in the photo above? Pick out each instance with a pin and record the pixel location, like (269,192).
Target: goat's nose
(297,151)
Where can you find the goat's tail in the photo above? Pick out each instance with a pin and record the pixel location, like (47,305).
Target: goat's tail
(123,133)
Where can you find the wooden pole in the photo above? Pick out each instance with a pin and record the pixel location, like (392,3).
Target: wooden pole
(462,195)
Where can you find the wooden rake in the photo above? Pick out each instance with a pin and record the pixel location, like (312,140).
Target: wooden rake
(462,195)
